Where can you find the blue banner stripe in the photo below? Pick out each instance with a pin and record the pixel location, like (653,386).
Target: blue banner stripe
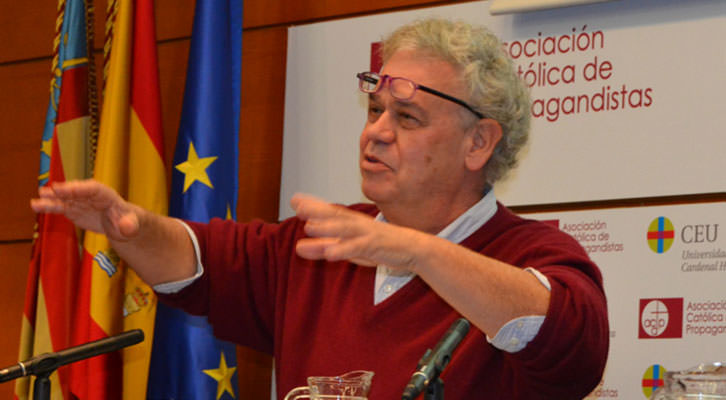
(105,263)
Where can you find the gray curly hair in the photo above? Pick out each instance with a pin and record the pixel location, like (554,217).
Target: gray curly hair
(494,87)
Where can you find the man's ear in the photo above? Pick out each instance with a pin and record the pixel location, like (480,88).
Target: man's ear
(485,136)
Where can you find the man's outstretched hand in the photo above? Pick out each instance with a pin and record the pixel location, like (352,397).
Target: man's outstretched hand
(89,205)
(337,233)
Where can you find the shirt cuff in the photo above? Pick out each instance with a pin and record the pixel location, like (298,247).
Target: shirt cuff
(173,287)
(517,333)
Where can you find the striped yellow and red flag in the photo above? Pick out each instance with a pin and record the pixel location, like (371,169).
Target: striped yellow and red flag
(66,149)
(130,159)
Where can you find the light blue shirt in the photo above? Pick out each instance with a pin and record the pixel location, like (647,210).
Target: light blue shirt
(515,334)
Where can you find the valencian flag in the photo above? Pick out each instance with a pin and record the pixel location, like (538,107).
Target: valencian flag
(47,324)
(188,362)
(129,158)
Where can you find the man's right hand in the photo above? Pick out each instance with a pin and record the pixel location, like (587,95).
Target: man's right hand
(157,247)
(90,205)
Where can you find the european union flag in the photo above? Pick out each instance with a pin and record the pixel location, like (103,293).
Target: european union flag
(187,361)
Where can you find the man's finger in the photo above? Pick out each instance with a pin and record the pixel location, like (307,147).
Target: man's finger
(76,189)
(313,248)
(307,206)
(46,205)
(333,227)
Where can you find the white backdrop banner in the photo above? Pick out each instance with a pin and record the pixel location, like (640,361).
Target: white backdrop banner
(628,100)
(664,270)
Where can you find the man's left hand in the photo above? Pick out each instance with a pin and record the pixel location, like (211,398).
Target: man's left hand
(338,233)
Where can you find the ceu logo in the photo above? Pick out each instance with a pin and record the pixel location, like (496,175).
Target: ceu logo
(653,379)
(660,235)
(661,318)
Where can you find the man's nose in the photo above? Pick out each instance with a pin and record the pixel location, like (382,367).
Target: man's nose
(381,130)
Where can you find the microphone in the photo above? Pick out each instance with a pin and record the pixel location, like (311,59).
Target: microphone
(48,362)
(433,362)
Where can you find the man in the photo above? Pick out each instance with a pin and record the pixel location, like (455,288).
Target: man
(372,287)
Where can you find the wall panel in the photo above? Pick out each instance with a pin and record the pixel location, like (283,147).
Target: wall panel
(263,97)
(263,13)
(27,28)
(173,18)
(23,101)
(14,259)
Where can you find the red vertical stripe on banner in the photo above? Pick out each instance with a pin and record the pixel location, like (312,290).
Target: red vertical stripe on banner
(145,102)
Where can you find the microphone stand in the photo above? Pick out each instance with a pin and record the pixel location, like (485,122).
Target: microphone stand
(435,390)
(41,387)
(427,378)
(43,365)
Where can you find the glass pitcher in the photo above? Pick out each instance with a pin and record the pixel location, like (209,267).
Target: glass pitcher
(703,382)
(352,385)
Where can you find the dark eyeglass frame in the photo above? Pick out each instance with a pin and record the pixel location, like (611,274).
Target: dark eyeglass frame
(380,81)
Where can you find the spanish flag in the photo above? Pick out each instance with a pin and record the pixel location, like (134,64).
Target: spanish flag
(130,159)
(50,297)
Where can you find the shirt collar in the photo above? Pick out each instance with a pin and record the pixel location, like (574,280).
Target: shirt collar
(468,222)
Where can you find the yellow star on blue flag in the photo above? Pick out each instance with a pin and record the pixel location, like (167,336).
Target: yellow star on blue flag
(46,146)
(195,168)
(206,152)
(223,376)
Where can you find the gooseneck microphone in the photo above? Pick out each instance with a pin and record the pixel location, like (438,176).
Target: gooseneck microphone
(48,362)
(433,362)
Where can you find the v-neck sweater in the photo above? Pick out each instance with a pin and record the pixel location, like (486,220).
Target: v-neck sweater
(318,318)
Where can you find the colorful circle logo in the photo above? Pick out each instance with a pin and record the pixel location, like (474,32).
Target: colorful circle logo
(653,379)
(660,235)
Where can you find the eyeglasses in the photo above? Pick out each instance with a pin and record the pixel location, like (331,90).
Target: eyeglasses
(404,89)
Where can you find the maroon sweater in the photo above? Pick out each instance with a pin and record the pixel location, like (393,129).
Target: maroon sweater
(318,319)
